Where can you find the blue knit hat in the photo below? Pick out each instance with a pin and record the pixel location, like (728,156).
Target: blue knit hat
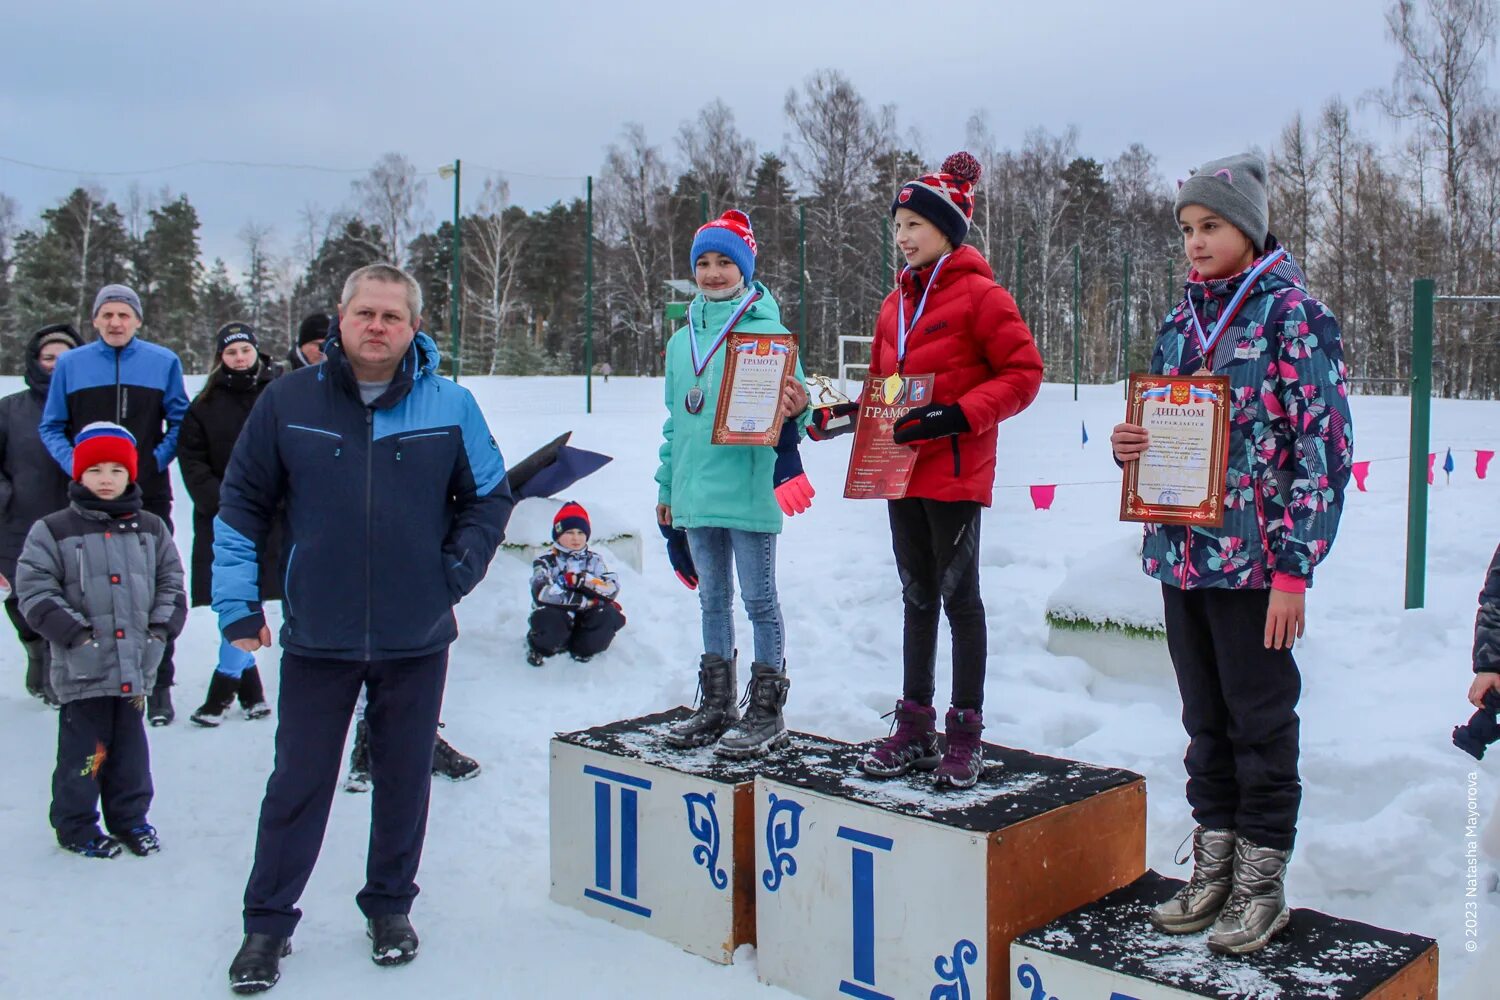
(731,236)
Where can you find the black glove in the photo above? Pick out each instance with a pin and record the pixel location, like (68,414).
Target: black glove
(679,556)
(831,421)
(1483,729)
(935,420)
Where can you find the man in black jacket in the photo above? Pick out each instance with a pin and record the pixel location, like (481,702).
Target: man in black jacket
(394,499)
(308,350)
(1487,637)
(31,484)
(124,380)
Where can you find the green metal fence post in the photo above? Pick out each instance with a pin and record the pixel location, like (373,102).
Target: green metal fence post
(588,302)
(802,275)
(1077,301)
(1125,319)
(1421,414)
(1020,282)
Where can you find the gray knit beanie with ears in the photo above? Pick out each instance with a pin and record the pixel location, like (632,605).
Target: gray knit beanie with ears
(1233,188)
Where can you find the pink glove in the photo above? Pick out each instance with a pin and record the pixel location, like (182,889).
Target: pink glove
(795,495)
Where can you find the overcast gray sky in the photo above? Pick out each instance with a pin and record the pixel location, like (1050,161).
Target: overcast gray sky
(98,88)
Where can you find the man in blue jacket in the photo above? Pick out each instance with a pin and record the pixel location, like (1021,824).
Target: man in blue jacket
(123,380)
(394,500)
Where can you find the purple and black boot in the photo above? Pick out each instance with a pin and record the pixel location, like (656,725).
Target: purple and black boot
(912,745)
(963,761)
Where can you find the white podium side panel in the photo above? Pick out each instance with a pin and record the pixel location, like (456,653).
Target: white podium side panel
(858,901)
(645,847)
(1038,974)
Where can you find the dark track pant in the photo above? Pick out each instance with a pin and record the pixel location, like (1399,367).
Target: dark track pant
(582,633)
(936,543)
(166,672)
(1239,707)
(315,705)
(102,759)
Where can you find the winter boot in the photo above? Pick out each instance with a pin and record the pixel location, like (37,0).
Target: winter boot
(257,965)
(449,763)
(359,779)
(911,746)
(142,840)
(1198,903)
(36,667)
(762,728)
(98,846)
(393,940)
(963,760)
(221,691)
(534,656)
(159,709)
(1257,908)
(253,694)
(716,709)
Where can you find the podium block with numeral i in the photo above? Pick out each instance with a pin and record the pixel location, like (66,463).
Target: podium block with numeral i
(889,889)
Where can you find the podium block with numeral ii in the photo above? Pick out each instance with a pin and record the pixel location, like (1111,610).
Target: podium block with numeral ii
(655,838)
(1108,950)
(890,889)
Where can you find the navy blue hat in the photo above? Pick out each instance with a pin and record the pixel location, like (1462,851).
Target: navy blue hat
(731,236)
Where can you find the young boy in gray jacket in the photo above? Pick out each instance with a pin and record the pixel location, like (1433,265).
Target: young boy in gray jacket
(101,581)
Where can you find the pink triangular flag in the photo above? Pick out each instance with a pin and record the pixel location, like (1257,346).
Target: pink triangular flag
(1482,463)
(1042,496)
(1431,461)
(1361,470)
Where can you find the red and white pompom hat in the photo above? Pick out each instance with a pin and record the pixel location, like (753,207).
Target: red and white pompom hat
(946,198)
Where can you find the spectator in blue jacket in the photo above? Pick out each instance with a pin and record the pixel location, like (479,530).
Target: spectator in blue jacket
(394,500)
(122,379)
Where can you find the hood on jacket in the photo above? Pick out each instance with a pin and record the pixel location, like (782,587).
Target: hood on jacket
(965,260)
(36,379)
(420,361)
(249,380)
(1287,273)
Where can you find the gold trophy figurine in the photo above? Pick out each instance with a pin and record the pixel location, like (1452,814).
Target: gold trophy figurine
(833,412)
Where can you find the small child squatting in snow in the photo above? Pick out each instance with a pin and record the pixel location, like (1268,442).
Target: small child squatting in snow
(573,592)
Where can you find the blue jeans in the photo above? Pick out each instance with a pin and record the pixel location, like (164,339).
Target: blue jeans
(718,551)
(232,661)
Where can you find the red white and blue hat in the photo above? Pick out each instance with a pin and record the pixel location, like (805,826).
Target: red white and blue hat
(569,517)
(946,198)
(730,235)
(102,441)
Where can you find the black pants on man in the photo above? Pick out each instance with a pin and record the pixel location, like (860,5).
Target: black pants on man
(1239,707)
(583,633)
(166,672)
(102,759)
(315,705)
(936,543)
(38,656)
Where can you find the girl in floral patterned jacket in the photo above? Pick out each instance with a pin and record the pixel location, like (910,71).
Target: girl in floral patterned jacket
(1235,595)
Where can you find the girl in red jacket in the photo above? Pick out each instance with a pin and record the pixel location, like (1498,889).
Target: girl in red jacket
(947,317)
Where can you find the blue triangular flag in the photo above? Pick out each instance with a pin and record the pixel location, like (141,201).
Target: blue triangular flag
(1448,463)
(1085,432)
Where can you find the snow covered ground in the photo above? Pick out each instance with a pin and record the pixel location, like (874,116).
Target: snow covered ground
(1385,803)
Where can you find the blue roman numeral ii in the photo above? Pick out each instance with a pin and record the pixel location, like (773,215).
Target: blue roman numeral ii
(624,893)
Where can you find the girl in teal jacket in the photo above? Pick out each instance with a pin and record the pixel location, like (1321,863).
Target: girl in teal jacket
(729,499)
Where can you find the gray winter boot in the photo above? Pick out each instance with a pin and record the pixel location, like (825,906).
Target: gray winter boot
(762,729)
(716,710)
(1257,908)
(1198,903)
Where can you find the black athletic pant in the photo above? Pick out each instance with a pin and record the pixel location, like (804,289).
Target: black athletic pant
(1239,707)
(582,633)
(102,758)
(936,543)
(166,672)
(23,631)
(314,707)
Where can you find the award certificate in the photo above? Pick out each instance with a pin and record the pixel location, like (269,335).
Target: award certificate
(1179,479)
(755,366)
(879,468)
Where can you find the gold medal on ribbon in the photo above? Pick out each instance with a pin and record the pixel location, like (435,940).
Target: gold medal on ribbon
(890,389)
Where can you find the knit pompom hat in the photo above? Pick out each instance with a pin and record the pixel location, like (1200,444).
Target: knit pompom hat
(102,441)
(946,198)
(730,235)
(571,516)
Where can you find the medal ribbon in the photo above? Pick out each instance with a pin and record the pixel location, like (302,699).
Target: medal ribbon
(700,364)
(902,329)
(1207,341)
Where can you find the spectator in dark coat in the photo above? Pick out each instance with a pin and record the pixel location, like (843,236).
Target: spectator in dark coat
(308,350)
(209,432)
(31,484)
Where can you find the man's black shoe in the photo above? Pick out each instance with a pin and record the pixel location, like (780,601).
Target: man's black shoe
(257,965)
(393,939)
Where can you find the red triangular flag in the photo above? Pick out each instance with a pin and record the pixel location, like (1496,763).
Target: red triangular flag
(1431,461)
(1482,463)
(1042,496)
(1361,470)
